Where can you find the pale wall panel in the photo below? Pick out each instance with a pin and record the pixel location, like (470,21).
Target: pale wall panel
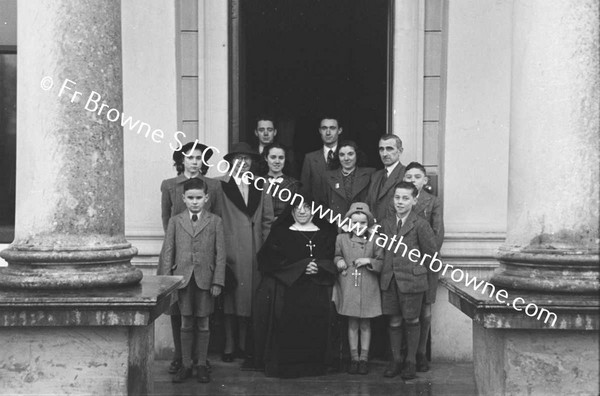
(433,15)
(431,110)
(430,143)
(189,99)
(433,53)
(477,116)
(8,22)
(150,95)
(188,14)
(190,128)
(188,45)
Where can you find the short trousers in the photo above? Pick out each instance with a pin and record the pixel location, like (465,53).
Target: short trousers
(194,301)
(407,305)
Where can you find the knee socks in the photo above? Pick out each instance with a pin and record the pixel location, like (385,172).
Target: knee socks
(176,329)
(202,339)
(187,339)
(413,331)
(395,334)
(425,326)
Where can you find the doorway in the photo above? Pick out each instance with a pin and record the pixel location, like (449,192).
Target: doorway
(300,60)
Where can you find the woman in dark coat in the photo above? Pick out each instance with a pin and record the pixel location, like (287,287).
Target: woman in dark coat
(350,182)
(293,310)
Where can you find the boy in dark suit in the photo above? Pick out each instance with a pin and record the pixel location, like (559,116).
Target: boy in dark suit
(194,248)
(430,208)
(403,279)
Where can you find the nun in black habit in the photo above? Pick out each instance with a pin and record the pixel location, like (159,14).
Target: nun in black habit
(293,310)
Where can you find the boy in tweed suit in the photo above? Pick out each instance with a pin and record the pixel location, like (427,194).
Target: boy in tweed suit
(404,276)
(195,249)
(430,208)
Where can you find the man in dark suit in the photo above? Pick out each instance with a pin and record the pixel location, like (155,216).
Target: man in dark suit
(317,162)
(381,188)
(266,133)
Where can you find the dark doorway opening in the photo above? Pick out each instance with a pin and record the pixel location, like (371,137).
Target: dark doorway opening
(305,59)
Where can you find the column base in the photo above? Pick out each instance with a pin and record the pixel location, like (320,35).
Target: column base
(548,270)
(69,269)
(92,341)
(514,353)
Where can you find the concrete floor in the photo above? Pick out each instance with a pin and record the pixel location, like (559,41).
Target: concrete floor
(228,379)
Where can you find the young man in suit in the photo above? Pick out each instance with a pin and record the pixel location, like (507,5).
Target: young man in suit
(194,248)
(317,162)
(381,188)
(404,276)
(266,133)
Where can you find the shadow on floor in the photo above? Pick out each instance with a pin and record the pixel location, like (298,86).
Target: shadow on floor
(228,379)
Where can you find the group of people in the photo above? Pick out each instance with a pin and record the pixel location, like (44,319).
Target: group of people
(286,276)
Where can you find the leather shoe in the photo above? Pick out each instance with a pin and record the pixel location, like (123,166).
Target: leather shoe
(392,370)
(174,366)
(202,374)
(227,357)
(363,367)
(409,371)
(353,369)
(422,363)
(183,374)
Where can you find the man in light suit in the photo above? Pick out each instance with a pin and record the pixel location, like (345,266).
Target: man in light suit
(381,188)
(317,162)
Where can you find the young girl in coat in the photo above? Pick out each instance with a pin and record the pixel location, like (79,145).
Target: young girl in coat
(356,293)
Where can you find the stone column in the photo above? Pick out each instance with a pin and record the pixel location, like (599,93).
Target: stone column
(552,237)
(536,332)
(69,230)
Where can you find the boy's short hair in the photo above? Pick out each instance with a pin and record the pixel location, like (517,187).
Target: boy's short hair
(415,165)
(407,186)
(195,184)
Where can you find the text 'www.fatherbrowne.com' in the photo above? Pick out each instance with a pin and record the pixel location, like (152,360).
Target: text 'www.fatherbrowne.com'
(394,244)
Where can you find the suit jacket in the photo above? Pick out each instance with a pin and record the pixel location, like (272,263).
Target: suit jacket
(411,277)
(380,198)
(430,208)
(335,195)
(313,169)
(199,251)
(171,202)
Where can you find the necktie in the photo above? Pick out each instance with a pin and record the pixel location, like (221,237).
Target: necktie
(194,218)
(398,226)
(382,183)
(329,157)
(275,179)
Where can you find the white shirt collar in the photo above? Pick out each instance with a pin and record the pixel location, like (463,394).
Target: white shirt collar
(326,150)
(403,218)
(191,214)
(390,169)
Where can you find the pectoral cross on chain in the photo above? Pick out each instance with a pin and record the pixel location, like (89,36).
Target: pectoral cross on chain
(310,245)
(356,276)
